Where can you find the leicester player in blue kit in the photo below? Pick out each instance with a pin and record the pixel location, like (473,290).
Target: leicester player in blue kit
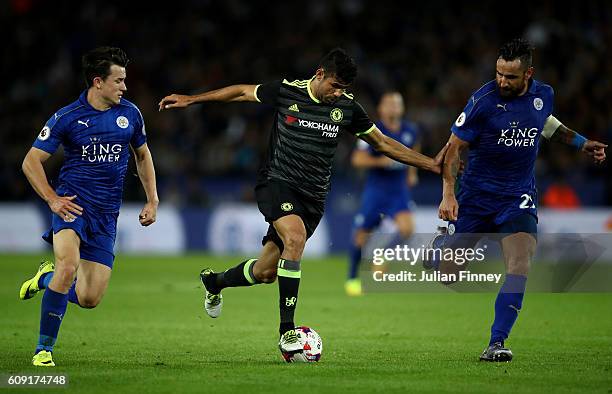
(501,126)
(97,132)
(387,189)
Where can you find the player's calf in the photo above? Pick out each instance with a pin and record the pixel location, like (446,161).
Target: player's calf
(265,269)
(238,276)
(267,275)
(89,301)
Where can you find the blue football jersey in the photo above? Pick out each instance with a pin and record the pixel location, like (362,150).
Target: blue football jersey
(96,150)
(391,177)
(503,134)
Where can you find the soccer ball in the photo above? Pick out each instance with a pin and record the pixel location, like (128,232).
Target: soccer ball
(312,346)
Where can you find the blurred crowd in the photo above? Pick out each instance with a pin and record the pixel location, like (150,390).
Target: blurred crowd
(435,53)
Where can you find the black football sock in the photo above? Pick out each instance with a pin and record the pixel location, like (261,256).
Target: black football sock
(289,274)
(240,275)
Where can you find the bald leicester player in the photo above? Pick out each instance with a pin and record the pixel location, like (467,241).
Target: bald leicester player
(501,126)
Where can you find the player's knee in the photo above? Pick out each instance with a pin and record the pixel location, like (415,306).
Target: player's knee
(295,240)
(65,274)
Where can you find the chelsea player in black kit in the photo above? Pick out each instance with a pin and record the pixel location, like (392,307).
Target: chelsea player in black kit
(294,179)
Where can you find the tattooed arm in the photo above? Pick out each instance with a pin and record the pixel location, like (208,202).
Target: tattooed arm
(554,130)
(449,207)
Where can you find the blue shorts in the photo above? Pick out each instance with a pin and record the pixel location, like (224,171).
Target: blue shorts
(97,232)
(485,213)
(375,204)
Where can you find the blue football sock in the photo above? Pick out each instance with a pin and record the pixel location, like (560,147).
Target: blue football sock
(72,295)
(44,280)
(354,260)
(52,310)
(507,307)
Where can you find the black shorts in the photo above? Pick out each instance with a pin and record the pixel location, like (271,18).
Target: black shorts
(276,199)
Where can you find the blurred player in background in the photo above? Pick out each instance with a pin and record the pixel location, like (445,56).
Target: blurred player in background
(97,132)
(295,177)
(501,126)
(387,190)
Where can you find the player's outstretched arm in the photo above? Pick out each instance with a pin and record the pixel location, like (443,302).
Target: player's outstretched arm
(227,94)
(364,160)
(395,150)
(35,173)
(146,173)
(413,175)
(449,208)
(557,131)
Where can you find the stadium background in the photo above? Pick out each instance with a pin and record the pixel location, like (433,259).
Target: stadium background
(435,53)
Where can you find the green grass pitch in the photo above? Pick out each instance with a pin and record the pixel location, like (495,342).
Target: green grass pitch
(150,334)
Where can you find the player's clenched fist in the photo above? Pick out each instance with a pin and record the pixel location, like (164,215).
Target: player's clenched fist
(448,208)
(148,215)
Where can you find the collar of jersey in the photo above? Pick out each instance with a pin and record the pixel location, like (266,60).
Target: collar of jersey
(83,100)
(532,86)
(310,91)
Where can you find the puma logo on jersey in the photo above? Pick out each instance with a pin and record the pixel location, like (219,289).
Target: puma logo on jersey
(85,123)
(59,316)
(502,106)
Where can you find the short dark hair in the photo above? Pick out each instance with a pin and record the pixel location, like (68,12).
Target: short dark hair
(518,48)
(97,62)
(337,62)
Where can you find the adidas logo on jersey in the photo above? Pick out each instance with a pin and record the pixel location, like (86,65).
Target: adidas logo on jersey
(294,107)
